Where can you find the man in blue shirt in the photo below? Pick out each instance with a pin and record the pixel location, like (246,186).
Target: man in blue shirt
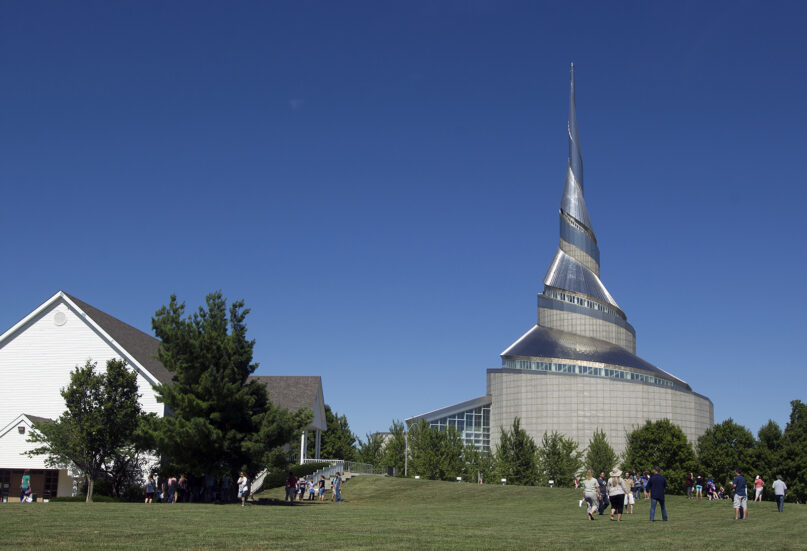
(657,484)
(740,495)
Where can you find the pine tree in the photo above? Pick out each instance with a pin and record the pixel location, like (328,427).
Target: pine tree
(218,421)
(395,448)
(338,442)
(794,452)
(517,456)
(600,456)
(371,451)
(559,459)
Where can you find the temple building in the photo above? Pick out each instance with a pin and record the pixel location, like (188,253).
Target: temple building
(562,374)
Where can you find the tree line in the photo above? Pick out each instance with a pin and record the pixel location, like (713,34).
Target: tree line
(219,422)
(439,454)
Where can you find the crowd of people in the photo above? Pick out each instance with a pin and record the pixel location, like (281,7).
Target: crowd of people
(298,488)
(207,489)
(621,493)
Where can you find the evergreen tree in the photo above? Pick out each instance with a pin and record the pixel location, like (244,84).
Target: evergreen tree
(371,450)
(600,456)
(338,442)
(724,447)
(559,459)
(395,448)
(435,454)
(768,457)
(664,444)
(794,453)
(219,422)
(517,456)
(101,419)
(479,464)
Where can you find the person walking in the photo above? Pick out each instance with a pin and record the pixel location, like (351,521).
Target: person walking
(604,502)
(243,488)
(690,482)
(657,485)
(151,487)
(182,487)
(617,489)
(758,485)
(740,495)
(591,493)
(25,485)
(322,487)
(172,489)
(337,487)
(291,487)
(629,500)
(779,489)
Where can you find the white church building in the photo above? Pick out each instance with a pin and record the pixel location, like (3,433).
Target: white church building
(36,357)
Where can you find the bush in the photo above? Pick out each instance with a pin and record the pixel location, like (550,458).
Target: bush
(277,478)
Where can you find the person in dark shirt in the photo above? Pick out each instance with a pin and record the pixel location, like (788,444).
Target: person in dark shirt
(657,484)
(740,495)
(291,486)
(604,501)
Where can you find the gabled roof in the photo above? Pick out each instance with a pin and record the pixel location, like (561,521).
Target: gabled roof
(142,346)
(27,419)
(137,347)
(290,392)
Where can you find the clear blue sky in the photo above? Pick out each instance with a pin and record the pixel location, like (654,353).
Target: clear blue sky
(380,181)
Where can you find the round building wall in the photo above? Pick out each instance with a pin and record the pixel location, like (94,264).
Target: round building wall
(577,405)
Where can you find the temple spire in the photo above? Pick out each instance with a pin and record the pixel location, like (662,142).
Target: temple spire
(572,202)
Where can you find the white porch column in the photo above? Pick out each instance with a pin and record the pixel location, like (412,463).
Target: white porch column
(317,443)
(303,446)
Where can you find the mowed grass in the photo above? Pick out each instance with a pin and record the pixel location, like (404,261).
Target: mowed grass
(384,513)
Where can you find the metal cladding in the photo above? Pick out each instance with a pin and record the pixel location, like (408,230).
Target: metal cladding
(567,270)
(578,319)
(568,274)
(551,343)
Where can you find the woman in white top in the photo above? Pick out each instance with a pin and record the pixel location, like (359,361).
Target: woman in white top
(591,493)
(617,489)
(243,488)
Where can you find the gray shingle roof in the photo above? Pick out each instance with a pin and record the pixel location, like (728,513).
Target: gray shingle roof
(291,392)
(142,346)
(38,419)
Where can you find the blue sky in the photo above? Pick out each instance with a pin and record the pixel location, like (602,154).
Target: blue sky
(380,180)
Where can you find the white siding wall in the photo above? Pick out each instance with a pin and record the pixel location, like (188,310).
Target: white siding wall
(35,364)
(13,445)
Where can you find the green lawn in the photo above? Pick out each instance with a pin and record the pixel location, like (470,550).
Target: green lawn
(383,513)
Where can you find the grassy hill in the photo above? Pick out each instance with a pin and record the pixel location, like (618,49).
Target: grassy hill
(384,513)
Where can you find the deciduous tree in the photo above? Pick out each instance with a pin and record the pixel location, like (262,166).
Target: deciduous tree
(101,419)
(664,444)
(724,447)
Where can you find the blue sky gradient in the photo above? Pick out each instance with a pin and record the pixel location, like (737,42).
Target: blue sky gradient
(380,181)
